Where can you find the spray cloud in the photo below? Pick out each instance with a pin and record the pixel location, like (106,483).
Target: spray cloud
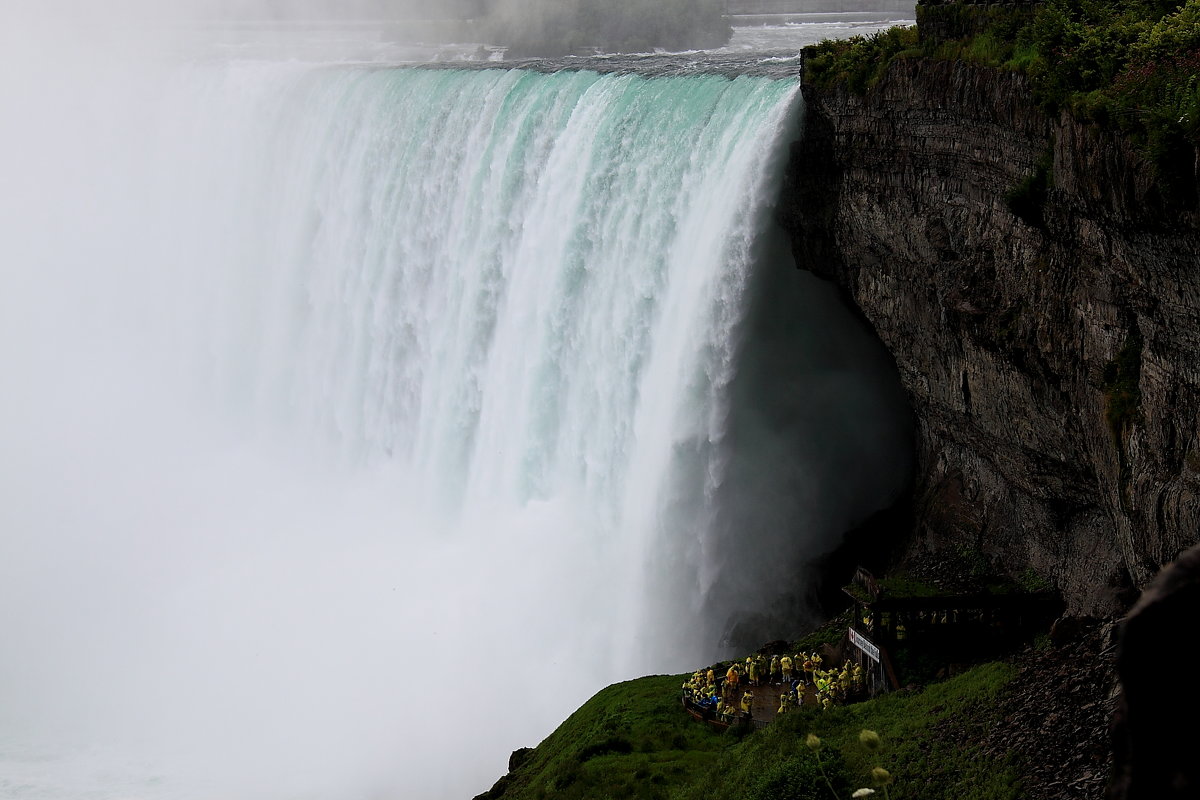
(307,397)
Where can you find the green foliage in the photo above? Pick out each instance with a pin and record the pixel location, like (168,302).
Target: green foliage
(1079,47)
(769,763)
(980,34)
(829,633)
(926,765)
(1133,65)
(613,744)
(895,586)
(1027,199)
(1031,581)
(530,28)
(950,20)
(1122,63)
(794,776)
(1122,386)
(631,740)
(917,665)
(1174,33)
(672,757)
(987,48)
(859,62)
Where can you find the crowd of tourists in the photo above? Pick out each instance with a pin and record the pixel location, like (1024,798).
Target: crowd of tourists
(731,696)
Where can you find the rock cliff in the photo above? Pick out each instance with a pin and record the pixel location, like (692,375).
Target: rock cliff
(1039,289)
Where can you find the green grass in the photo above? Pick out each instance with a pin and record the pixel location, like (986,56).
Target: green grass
(632,740)
(923,764)
(829,633)
(904,586)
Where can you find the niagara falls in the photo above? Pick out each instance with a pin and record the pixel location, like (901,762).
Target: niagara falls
(363,417)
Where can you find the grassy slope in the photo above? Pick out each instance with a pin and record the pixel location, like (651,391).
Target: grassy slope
(634,740)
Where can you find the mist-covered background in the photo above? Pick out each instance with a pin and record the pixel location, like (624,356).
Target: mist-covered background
(358,424)
(518,27)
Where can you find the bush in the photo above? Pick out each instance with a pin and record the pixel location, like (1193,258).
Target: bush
(1028,198)
(859,61)
(1132,65)
(800,776)
(1122,386)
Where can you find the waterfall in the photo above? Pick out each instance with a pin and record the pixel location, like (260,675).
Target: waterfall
(371,419)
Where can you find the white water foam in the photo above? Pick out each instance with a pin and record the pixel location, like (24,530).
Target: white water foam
(361,423)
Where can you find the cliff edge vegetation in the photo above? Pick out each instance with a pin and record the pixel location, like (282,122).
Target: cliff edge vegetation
(1009,194)
(1127,64)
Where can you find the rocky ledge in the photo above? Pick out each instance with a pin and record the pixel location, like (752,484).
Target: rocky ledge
(1055,715)
(1039,289)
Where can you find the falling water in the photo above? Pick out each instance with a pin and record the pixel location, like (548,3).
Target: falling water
(365,421)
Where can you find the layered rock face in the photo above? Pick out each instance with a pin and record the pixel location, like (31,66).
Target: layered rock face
(1040,292)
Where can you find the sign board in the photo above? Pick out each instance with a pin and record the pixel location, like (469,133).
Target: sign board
(864,644)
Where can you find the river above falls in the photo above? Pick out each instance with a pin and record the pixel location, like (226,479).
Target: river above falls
(762,45)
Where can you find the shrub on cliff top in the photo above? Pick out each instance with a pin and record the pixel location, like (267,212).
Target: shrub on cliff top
(860,61)
(1127,64)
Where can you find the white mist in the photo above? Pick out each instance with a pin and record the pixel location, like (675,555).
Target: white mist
(352,418)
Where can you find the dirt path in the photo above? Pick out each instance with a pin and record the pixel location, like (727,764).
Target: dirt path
(766,699)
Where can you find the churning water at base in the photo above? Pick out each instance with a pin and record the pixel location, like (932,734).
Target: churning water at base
(363,422)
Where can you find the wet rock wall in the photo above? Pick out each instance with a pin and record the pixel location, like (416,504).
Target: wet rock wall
(1039,289)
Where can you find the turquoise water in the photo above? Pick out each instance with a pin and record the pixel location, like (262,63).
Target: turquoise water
(336,385)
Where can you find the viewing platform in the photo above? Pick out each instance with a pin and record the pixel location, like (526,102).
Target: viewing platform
(987,615)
